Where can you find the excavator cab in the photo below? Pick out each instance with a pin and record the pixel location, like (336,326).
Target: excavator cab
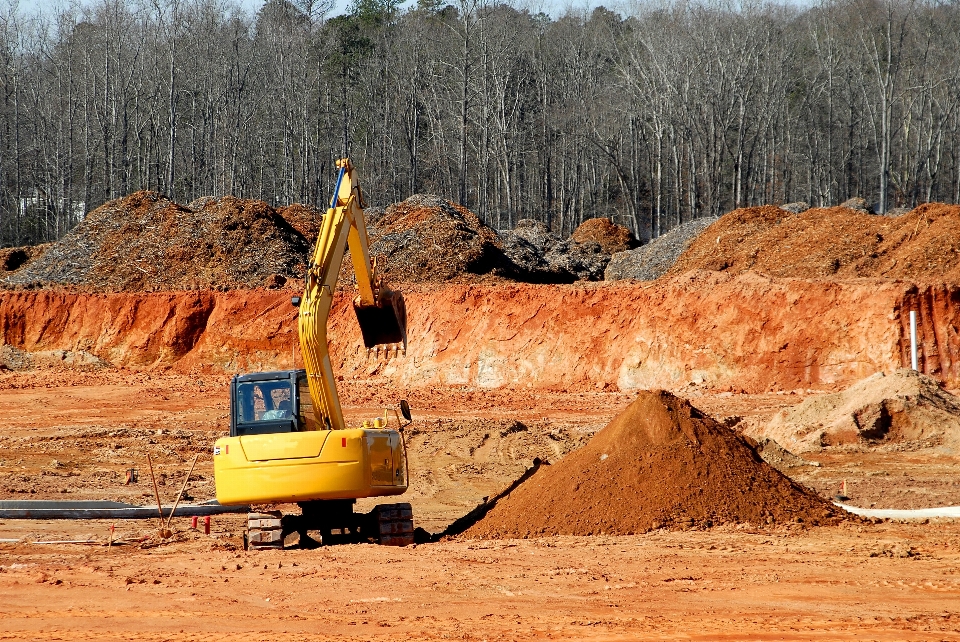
(263,403)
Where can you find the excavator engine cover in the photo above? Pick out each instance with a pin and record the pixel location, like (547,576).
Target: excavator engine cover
(384,323)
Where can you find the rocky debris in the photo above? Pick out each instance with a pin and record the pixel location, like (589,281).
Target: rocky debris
(796,208)
(905,407)
(15,258)
(898,211)
(535,233)
(653,260)
(585,261)
(611,237)
(547,258)
(427,238)
(833,242)
(659,463)
(147,242)
(779,457)
(13,358)
(527,247)
(858,204)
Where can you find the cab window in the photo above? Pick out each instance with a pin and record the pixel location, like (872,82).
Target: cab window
(264,401)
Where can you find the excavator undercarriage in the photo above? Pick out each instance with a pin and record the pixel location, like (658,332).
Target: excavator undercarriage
(331,522)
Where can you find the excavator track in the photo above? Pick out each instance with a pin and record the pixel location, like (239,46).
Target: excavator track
(394,524)
(386,524)
(264,530)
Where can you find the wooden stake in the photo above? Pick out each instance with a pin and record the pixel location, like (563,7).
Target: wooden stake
(156,490)
(182,488)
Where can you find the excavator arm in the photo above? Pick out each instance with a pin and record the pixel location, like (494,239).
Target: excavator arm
(380,311)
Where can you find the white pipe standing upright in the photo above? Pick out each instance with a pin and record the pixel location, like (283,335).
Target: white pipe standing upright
(913,339)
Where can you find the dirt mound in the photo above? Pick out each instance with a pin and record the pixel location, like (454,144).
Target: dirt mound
(611,237)
(660,462)
(15,258)
(832,242)
(147,242)
(305,219)
(779,457)
(426,238)
(905,406)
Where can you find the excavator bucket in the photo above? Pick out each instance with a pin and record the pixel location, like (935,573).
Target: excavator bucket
(384,323)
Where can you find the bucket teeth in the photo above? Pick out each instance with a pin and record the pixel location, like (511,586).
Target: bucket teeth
(390,350)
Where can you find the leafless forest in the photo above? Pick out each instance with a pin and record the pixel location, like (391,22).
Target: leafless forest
(671,111)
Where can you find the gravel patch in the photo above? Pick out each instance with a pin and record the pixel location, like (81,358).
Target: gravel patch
(653,260)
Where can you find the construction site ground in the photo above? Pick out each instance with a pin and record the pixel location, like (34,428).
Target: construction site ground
(72,435)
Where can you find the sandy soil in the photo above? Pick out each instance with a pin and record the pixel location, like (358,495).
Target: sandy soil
(72,435)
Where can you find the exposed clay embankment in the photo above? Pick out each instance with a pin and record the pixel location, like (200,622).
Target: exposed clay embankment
(745,333)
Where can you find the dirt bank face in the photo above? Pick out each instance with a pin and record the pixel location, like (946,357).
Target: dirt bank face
(834,242)
(714,331)
(660,462)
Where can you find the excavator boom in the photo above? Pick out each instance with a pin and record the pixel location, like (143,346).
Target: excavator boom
(381,312)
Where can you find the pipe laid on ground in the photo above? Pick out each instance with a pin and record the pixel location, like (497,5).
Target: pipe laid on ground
(894,513)
(38,509)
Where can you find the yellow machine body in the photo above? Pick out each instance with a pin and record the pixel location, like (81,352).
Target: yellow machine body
(306,466)
(305,451)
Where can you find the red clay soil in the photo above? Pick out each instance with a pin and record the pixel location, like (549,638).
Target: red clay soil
(659,463)
(835,242)
(611,237)
(745,333)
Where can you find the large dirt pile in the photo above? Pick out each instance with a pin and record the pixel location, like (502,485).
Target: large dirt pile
(610,236)
(923,245)
(427,238)
(659,462)
(905,407)
(147,242)
(654,259)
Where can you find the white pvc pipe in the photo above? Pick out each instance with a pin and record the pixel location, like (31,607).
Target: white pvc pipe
(913,340)
(893,513)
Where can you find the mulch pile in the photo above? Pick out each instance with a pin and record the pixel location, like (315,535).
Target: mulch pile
(659,463)
(16,258)
(305,219)
(841,242)
(610,236)
(428,238)
(147,242)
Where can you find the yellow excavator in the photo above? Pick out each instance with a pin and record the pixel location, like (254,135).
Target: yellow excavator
(289,442)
